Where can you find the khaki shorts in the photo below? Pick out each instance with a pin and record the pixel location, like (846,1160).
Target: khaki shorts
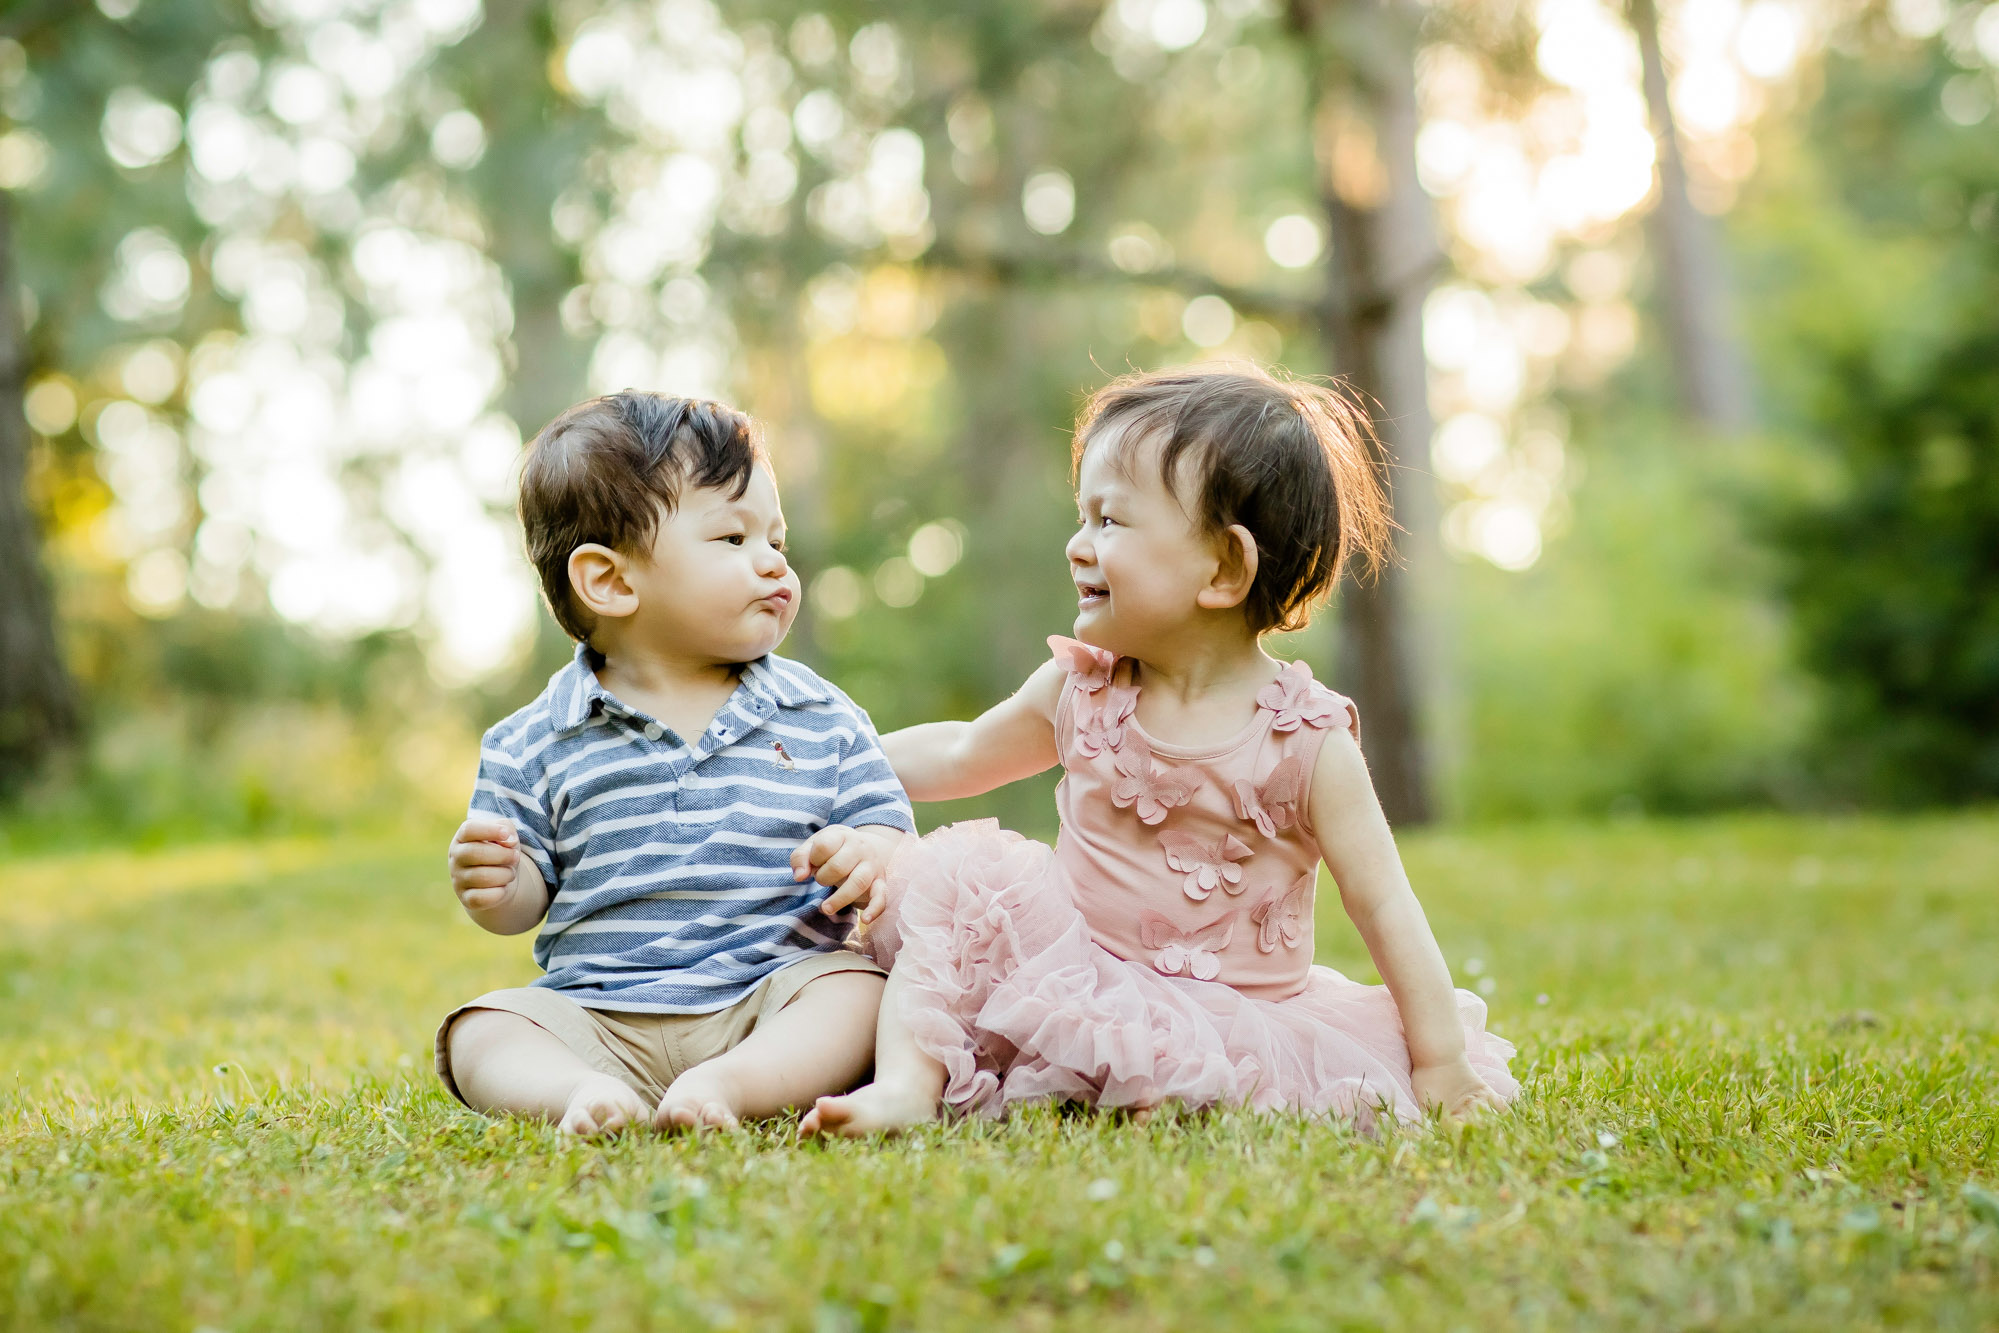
(649,1051)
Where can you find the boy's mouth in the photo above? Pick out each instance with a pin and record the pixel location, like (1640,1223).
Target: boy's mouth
(776,601)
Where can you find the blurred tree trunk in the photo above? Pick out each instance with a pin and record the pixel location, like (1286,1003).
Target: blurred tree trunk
(1707,366)
(1379,267)
(37,701)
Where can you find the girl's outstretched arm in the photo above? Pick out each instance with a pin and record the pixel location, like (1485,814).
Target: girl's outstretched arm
(942,761)
(1359,849)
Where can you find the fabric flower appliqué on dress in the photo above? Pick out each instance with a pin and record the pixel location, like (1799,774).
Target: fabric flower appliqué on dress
(1280,918)
(1091,667)
(1140,786)
(1100,730)
(1272,805)
(1196,953)
(1294,701)
(1207,865)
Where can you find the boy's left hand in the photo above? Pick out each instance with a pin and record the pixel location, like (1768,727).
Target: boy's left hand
(853,861)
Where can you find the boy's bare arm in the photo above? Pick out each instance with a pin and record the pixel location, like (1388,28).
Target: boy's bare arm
(498,887)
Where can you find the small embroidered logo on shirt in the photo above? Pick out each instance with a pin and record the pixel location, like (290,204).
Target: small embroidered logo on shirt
(783,756)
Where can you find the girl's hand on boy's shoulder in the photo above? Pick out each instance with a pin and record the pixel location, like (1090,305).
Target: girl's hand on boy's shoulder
(485,860)
(851,861)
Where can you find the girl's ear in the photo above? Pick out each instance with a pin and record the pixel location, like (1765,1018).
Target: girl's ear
(1235,571)
(597,577)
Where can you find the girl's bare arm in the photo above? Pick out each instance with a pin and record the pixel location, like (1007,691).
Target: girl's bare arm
(942,761)
(1356,843)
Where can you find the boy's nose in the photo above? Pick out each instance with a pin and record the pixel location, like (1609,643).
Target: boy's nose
(1078,549)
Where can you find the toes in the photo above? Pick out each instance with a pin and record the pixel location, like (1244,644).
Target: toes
(587,1122)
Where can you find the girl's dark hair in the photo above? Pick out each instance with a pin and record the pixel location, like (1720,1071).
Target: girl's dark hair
(605,470)
(1291,460)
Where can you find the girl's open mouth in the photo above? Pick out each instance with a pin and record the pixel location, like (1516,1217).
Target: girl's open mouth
(1088,595)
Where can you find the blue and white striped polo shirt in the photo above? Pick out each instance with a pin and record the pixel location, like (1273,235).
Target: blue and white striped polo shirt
(669,865)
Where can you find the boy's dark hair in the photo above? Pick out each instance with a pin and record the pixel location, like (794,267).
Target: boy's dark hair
(605,470)
(1291,460)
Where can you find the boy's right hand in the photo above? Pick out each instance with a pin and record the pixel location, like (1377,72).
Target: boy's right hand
(485,856)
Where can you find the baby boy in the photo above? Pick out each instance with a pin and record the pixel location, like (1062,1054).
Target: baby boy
(677,808)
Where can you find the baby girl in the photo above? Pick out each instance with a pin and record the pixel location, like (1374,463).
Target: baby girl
(1162,949)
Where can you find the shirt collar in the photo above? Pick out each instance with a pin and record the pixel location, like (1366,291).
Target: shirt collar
(786,683)
(575,689)
(573,692)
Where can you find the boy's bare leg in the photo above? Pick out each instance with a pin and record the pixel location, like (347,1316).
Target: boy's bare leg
(907,1089)
(504,1063)
(821,1042)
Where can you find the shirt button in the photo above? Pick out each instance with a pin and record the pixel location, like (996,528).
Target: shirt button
(653,731)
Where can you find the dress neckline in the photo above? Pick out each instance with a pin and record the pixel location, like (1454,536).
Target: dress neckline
(1170,750)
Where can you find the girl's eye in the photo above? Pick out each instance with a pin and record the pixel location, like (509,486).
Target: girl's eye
(735,539)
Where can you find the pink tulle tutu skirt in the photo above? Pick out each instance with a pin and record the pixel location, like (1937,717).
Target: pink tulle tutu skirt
(1002,983)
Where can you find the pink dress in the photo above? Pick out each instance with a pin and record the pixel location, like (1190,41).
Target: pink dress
(1162,949)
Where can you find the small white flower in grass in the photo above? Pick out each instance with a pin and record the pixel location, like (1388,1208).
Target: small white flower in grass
(1114,1251)
(1606,1139)
(1204,1256)
(1542,998)
(1101,1190)
(1487,985)
(1474,966)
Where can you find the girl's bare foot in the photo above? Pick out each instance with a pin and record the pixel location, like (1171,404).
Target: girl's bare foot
(699,1099)
(878,1108)
(602,1105)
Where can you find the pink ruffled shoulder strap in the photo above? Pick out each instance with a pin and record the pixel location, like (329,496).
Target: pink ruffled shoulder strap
(1296,700)
(1089,667)
(1090,718)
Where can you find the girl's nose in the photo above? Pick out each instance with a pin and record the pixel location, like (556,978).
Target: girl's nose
(1079,549)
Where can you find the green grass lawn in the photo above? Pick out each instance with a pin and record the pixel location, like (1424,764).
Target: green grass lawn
(1760,1059)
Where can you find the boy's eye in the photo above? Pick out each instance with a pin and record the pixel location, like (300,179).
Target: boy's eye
(734,539)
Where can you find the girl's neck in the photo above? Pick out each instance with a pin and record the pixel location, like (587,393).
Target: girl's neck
(1201,665)
(1202,691)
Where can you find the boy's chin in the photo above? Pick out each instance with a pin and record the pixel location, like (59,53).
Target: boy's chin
(753,646)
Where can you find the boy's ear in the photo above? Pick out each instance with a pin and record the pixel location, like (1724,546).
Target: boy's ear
(1235,570)
(597,577)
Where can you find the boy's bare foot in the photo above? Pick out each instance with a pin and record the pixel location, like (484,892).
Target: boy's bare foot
(602,1105)
(699,1099)
(878,1108)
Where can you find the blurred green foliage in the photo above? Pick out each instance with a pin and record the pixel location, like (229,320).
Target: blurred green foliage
(1810,616)
(1875,280)
(1641,665)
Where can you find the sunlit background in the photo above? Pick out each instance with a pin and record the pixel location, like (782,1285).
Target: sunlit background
(297,291)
